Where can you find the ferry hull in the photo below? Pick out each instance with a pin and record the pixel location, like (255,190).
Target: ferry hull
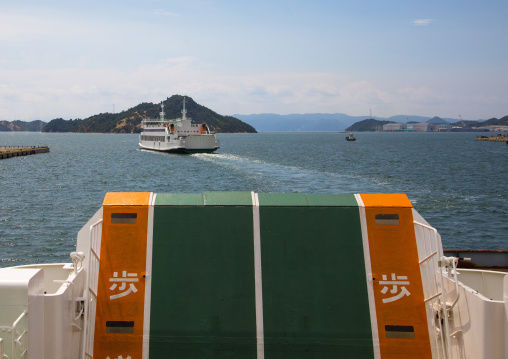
(189,144)
(181,150)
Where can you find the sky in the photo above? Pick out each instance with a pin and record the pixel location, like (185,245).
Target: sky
(74,59)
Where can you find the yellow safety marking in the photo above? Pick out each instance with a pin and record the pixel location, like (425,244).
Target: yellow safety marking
(121,289)
(397,286)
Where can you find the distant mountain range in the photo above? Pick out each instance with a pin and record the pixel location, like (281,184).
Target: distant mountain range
(270,122)
(129,121)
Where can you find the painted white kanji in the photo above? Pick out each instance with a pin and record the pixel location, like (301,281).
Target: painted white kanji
(396,282)
(121,357)
(126,277)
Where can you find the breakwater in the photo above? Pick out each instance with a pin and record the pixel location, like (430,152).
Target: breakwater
(14,151)
(499,138)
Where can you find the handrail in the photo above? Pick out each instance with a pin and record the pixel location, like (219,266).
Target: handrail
(90,294)
(442,314)
(446,308)
(433,296)
(80,312)
(428,257)
(2,355)
(16,341)
(453,261)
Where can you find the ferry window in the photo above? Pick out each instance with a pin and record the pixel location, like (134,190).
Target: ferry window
(387,219)
(400,331)
(119,326)
(121,218)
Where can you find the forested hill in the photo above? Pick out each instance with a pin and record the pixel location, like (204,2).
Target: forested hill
(503,121)
(130,121)
(33,126)
(369,124)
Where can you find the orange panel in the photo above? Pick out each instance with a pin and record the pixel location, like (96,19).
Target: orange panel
(126,199)
(121,289)
(398,291)
(385,200)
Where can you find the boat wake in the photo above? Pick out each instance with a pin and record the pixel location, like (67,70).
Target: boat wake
(264,176)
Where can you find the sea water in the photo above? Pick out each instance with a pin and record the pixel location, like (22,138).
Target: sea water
(458,184)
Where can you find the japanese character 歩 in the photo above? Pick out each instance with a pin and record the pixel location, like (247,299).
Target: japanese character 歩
(126,277)
(396,282)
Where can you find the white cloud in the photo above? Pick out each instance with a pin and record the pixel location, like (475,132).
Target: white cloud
(366,93)
(422,22)
(80,93)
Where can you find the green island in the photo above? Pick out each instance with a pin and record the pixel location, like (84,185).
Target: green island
(33,126)
(129,121)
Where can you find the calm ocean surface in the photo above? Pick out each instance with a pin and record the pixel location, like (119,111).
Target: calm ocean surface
(459,185)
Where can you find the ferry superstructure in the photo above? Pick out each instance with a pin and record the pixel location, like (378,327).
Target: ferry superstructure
(177,135)
(254,275)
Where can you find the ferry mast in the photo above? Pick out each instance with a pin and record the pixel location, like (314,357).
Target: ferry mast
(184,111)
(162,111)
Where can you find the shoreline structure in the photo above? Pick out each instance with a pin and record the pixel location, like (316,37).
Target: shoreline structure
(15,151)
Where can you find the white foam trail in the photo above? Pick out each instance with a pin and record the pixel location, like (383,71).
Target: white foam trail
(286,178)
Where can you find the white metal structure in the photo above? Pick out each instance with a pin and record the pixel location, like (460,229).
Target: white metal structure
(177,135)
(48,311)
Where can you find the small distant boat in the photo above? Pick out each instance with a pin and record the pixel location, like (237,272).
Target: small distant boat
(350,137)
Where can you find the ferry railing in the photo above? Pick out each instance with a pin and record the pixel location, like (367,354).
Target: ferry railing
(19,350)
(2,355)
(432,271)
(79,309)
(95,236)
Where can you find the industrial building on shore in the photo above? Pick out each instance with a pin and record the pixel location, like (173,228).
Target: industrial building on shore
(438,127)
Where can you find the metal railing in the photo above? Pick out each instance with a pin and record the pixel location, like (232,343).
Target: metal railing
(2,355)
(434,291)
(19,349)
(91,290)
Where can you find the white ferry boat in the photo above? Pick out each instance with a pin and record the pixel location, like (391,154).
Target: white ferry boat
(177,135)
(247,275)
